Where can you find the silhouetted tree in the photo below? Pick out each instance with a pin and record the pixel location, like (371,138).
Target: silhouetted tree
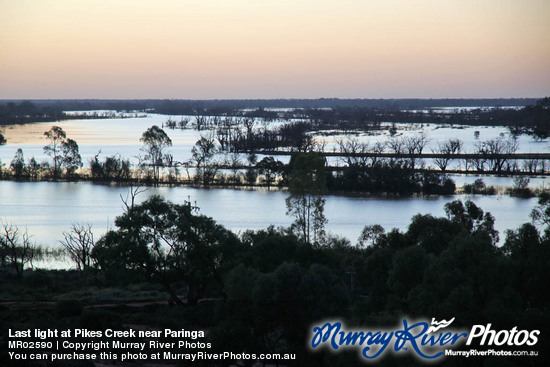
(79,243)
(251,173)
(57,137)
(203,153)
(155,142)
(113,168)
(448,147)
(307,183)
(71,157)
(167,242)
(17,164)
(269,168)
(16,247)
(541,213)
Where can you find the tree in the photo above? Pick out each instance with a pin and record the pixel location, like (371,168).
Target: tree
(414,145)
(57,137)
(307,183)
(370,235)
(155,142)
(203,153)
(495,151)
(166,242)
(64,152)
(200,117)
(449,148)
(541,213)
(71,156)
(251,173)
(79,243)
(17,165)
(248,123)
(16,247)
(33,168)
(269,168)
(352,150)
(472,218)
(113,168)
(2,139)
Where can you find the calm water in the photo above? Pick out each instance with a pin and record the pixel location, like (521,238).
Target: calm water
(121,136)
(47,209)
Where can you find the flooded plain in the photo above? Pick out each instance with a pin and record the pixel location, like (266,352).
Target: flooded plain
(46,209)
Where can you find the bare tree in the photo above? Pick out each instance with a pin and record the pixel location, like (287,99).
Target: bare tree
(79,243)
(223,133)
(352,148)
(396,145)
(130,199)
(16,247)
(495,152)
(414,145)
(448,147)
(200,118)
(249,123)
(378,148)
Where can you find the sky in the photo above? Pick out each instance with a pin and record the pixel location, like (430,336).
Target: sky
(218,49)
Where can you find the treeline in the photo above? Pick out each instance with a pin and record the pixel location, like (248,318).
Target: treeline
(390,103)
(263,290)
(26,111)
(531,119)
(401,175)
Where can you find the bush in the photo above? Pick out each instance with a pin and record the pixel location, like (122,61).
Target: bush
(479,187)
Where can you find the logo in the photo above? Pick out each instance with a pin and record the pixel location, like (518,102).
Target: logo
(439,325)
(427,341)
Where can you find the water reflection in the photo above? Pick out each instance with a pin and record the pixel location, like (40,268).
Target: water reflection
(47,209)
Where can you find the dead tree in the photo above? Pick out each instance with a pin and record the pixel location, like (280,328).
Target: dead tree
(16,247)
(79,243)
(449,147)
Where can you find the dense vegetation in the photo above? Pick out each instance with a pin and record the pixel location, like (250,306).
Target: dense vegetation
(266,288)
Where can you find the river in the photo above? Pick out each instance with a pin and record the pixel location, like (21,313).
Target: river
(46,209)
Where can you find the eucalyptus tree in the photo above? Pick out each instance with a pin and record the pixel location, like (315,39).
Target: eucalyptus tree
(56,136)
(155,145)
(203,154)
(166,242)
(17,164)
(71,160)
(307,183)
(64,152)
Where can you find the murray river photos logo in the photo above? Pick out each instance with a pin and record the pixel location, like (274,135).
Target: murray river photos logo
(427,341)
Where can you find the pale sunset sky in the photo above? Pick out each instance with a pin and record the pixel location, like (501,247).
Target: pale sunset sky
(206,49)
